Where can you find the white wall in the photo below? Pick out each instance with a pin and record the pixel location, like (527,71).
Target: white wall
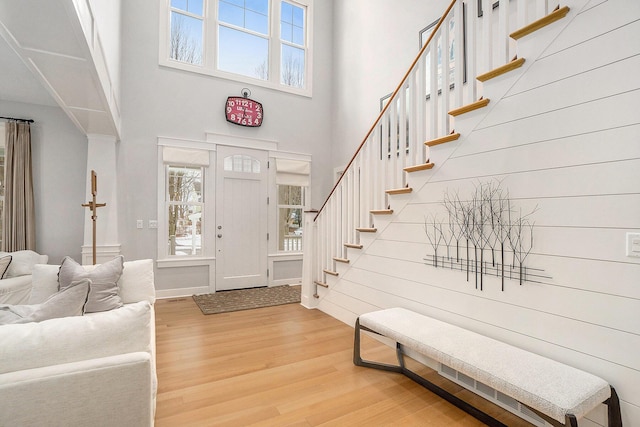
(375,42)
(163,102)
(564,139)
(59,153)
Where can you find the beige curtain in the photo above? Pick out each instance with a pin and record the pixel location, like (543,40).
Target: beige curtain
(18,225)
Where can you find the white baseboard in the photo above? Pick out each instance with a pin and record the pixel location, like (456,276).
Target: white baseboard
(181,292)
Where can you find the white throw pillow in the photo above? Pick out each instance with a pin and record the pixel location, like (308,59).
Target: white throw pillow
(136,283)
(44,282)
(67,302)
(23,261)
(103,295)
(4,266)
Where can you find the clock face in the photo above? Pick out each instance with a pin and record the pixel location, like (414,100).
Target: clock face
(243,111)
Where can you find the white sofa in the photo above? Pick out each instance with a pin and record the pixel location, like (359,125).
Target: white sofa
(92,370)
(15,284)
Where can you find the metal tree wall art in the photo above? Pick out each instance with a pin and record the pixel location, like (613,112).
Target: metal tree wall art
(495,236)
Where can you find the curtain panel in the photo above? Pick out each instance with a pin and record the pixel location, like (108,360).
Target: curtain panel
(18,225)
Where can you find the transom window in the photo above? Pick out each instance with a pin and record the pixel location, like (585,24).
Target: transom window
(241,163)
(265,42)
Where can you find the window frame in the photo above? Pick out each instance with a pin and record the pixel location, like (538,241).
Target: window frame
(207,252)
(209,46)
(201,204)
(302,207)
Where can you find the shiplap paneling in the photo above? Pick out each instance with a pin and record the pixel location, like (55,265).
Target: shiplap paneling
(565,140)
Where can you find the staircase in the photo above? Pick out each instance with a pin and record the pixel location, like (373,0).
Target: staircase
(428,110)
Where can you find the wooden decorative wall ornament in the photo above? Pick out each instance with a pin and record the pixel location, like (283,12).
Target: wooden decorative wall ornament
(493,237)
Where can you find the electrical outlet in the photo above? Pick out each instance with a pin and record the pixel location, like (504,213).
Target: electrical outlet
(153,223)
(139,223)
(633,245)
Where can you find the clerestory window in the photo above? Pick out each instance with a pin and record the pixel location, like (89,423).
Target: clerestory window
(264,42)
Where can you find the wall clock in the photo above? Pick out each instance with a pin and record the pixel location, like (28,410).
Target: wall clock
(244,111)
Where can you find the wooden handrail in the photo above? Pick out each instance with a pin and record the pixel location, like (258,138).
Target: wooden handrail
(393,96)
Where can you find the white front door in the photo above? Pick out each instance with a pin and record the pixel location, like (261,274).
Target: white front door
(241,215)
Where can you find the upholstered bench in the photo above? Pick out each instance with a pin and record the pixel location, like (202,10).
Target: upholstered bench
(558,393)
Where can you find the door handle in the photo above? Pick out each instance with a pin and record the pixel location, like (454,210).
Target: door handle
(219,236)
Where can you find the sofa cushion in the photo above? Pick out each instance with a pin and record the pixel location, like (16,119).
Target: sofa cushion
(103,295)
(67,302)
(22,262)
(70,339)
(4,266)
(135,284)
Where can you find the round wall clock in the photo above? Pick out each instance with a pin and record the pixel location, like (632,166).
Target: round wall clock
(244,111)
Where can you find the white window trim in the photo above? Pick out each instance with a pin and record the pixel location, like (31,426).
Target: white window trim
(208,245)
(209,66)
(210,144)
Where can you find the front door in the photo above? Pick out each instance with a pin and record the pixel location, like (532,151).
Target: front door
(241,215)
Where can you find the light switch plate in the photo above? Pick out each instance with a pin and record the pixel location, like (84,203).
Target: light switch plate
(633,245)
(139,223)
(153,223)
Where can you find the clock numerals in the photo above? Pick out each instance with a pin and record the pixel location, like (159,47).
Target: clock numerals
(244,112)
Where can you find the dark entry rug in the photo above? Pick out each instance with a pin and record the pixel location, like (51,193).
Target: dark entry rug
(246,299)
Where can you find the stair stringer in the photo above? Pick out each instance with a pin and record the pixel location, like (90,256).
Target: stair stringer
(335,300)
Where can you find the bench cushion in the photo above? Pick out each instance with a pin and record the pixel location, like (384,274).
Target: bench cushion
(548,386)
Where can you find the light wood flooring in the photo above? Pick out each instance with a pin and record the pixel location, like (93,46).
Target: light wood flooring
(287,366)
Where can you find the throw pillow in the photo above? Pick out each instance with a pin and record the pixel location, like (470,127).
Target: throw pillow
(103,295)
(4,266)
(67,302)
(22,262)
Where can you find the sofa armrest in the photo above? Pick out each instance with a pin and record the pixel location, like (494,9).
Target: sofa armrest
(85,393)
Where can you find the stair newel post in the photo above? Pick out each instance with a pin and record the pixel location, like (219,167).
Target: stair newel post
(364,180)
(458,49)
(420,113)
(402,136)
(309,259)
(487,39)
(445,39)
(503,33)
(345,214)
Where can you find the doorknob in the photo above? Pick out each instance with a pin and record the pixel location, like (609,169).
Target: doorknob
(219,236)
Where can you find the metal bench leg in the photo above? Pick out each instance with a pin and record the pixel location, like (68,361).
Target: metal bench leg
(359,361)
(570,420)
(613,409)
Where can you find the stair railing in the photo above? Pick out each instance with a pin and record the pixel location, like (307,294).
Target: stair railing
(417,111)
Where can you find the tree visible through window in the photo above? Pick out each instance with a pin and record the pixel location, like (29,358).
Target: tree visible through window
(290,206)
(185,205)
(187,22)
(266,40)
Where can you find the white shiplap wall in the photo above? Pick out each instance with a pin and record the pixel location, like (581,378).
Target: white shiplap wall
(564,138)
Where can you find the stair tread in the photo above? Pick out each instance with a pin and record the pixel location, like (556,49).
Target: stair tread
(366,230)
(381,211)
(469,107)
(343,260)
(540,23)
(447,138)
(324,285)
(417,168)
(332,273)
(403,190)
(513,65)
(353,246)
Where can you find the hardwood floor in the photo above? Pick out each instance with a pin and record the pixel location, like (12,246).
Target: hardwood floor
(286,366)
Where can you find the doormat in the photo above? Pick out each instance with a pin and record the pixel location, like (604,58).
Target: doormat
(247,299)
